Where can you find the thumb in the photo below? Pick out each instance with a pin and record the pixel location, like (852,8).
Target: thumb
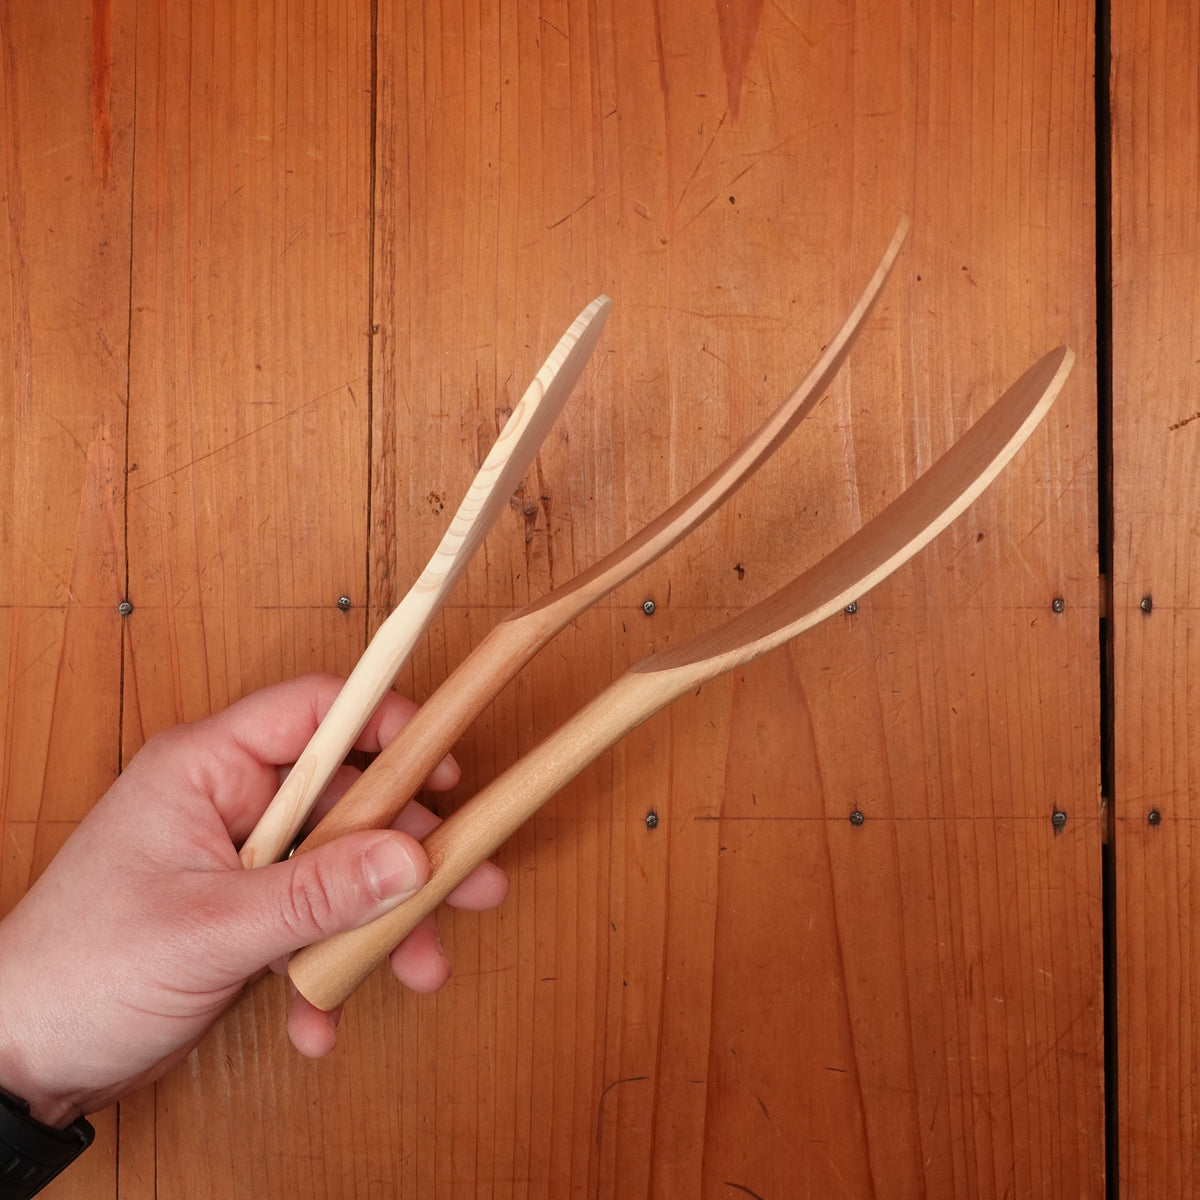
(277,909)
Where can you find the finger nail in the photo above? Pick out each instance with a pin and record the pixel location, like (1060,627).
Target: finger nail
(390,871)
(445,775)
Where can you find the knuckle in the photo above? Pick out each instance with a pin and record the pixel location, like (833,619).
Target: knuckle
(311,901)
(165,744)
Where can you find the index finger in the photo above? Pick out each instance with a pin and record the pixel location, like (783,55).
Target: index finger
(274,724)
(270,728)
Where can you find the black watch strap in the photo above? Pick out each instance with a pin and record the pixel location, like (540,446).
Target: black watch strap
(32,1154)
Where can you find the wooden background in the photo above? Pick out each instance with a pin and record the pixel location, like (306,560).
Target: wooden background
(276,273)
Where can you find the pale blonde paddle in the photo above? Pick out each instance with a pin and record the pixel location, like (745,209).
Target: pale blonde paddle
(375,799)
(503,468)
(328,972)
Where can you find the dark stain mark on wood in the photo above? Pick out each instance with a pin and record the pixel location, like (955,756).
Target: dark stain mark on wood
(737,23)
(101,88)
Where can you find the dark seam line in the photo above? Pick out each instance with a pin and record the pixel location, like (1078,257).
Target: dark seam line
(372,217)
(1106,550)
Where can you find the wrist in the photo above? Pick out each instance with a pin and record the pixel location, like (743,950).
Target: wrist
(27,1069)
(52,1111)
(42,1130)
(21,1078)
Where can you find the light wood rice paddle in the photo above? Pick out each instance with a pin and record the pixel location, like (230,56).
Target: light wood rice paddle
(503,468)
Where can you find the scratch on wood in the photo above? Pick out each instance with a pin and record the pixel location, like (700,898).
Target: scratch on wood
(741,1187)
(1186,421)
(229,445)
(604,1096)
(581,205)
(700,161)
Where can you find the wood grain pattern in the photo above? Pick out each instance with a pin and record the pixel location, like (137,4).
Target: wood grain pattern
(248,448)
(326,246)
(65,162)
(248,354)
(1156,380)
(639,203)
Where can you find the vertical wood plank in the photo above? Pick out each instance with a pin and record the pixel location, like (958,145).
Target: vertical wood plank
(754,992)
(247,503)
(65,316)
(248,472)
(746,991)
(1156,376)
(65,164)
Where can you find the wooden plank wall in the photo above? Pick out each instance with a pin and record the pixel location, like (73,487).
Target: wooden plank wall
(278,271)
(1156,405)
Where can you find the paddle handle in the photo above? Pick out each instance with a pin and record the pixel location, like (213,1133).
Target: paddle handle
(327,972)
(377,796)
(347,716)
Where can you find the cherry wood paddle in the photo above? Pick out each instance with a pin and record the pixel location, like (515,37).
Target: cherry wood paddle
(375,799)
(328,972)
(502,470)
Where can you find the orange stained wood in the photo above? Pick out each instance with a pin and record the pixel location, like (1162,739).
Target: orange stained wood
(276,275)
(1156,583)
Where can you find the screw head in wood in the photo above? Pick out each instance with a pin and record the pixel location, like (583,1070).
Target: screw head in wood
(652,820)
(857,817)
(851,608)
(1154,817)
(1059,604)
(1059,819)
(1147,604)
(648,607)
(124,608)
(344,603)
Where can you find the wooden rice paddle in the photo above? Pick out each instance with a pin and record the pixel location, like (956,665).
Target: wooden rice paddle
(502,470)
(375,799)
(328,972)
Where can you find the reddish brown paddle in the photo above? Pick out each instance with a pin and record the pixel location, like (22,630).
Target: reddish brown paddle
(377,796)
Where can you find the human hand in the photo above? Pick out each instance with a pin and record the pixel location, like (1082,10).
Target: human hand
(145,927)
